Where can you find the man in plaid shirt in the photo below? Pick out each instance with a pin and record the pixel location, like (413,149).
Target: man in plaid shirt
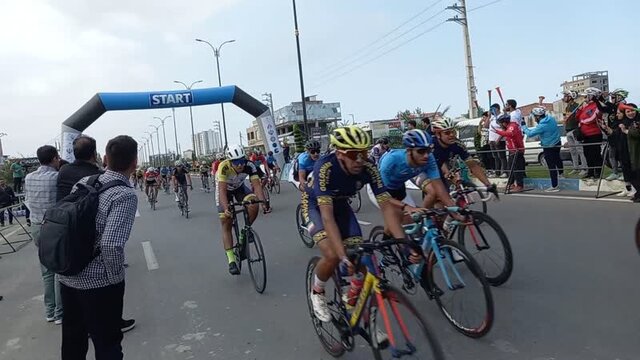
(93,299)
(40,195)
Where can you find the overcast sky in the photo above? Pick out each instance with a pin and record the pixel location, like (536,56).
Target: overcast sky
(55,55)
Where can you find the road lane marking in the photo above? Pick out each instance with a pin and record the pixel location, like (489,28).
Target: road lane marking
(152,262)
(364,223)
(572,198)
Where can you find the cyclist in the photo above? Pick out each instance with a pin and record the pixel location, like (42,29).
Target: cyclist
(215,164)
(415,161)
(445,147)
(181,177)
(272,164)
(230,185)
(381,147)
(257,158)
(306,161)
(152,181)
(336,177)
(140,177)
(204,175)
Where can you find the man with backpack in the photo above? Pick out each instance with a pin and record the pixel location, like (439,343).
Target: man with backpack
(92,267)
(40,195)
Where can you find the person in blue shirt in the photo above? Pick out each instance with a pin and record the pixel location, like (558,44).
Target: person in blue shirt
(306,161)
(272,163)
(164,172)
(547,130)
(415,161)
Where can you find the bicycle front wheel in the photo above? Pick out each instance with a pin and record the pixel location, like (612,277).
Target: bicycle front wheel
(397,330)
(355,202)
(488,244)
(460,289)
(276,185)
(328,332)
(302,229)
(256,260)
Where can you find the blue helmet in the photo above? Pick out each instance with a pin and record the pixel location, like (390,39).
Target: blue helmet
(416,139)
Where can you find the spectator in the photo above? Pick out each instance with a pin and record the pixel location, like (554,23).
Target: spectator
(609,109)
(84,150)
(618,138)
(484,149)
(18,175)
(497,144)
(40,195)
(631,127)
(93,299)
(426,123)
(547,129)
(588,116)
(6,199)
(515,144)
(411,125)
(514,113)
(572,131)
(285,153)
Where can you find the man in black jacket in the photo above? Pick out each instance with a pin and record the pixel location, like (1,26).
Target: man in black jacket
(84,150)
(7,197)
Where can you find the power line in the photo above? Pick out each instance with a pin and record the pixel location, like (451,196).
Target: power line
(483,6)
(369,52)
(384,53)
(380,38)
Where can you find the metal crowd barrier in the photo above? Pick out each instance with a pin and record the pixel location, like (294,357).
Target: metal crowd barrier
(22,243)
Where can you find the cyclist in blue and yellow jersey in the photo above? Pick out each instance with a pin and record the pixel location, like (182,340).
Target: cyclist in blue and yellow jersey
(230,184)
(332,224)
(306,161)
(415,161)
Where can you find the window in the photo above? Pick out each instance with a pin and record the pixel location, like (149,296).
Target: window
(594,81)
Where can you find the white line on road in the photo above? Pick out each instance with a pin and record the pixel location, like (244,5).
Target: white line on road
(152,262)
(13,232)
(571,198)
(364,223)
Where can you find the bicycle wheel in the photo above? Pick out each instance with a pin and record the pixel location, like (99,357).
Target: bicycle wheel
(302,230)
(256,260)
(355,202)
(276,184)
(461,290)
(488,244)
(328,333)
(267,197)
(390,264)
(407,332)
(153,203)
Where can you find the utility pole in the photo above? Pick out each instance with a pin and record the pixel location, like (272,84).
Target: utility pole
(268,98)
(471,83)
(304,103)
(175,131)
(240,134)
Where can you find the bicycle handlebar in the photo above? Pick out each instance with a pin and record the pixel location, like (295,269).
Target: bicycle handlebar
(371,246)
(245,203)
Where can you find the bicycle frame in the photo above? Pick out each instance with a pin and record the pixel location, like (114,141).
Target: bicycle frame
(431,233)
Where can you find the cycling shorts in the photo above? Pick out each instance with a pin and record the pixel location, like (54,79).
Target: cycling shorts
(345,219)
(152,182)
(242,193)
(271,166)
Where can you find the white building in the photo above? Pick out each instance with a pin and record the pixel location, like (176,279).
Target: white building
(207,142)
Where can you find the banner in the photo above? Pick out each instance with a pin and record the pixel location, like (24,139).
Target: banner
(379,129)
(68,135)
(267,126)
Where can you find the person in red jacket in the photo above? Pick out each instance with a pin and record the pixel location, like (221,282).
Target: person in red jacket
(589,116)
(512,133)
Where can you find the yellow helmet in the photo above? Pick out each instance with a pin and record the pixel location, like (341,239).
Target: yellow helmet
(350,137)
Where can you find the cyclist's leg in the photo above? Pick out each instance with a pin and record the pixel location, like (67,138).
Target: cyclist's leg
(184,191)
(248,195)
(146,189)
(227,241)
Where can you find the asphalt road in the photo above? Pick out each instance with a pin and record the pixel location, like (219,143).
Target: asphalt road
(574,293)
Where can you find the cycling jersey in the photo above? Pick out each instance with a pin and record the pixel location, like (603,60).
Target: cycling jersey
(444,155)
(271,160)
(181,176)
(226,173)
(328,183)
(395,170)
(376,152)
(306,163)
(151,175)
(139,174)
(203,169)
(164,171)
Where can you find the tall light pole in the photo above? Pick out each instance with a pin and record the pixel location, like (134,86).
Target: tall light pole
(471,83)
(193,134)
(175,130)
(353,119)
(216,53)
(1,152)
(152,150)
(304,103)
(164,134)
(158,138)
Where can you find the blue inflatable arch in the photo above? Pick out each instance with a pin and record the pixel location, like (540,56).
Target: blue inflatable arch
(103,102)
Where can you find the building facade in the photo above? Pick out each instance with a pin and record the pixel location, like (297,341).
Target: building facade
(207,142)
(596,79)
(319,116)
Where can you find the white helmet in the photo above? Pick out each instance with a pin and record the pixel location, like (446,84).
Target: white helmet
(220,156)
(538,111)
(591,92)
(570,93)
(151,169)
(443,123)
(235,152)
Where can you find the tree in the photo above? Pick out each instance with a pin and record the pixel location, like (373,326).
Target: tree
(298,138)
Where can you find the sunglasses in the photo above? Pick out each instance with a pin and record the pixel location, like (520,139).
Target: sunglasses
(448,132)
(355,155)
(314,151)
(423,151)
(238,162)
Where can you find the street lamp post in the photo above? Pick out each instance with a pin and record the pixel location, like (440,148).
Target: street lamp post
(164,134)
(158,138)
(193,134)
(216,53)
(1,151)
(353,119)
(175,131)
(152,150)
(304,104)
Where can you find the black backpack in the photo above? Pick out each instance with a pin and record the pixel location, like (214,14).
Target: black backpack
(68,234)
